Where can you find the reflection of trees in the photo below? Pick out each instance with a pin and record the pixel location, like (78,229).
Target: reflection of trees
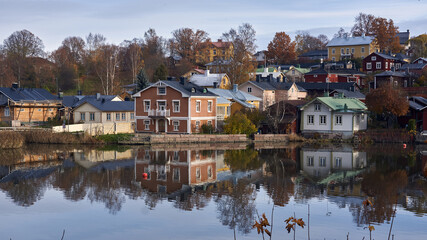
(416,200)
(384,188)
(243,159)
(25,193)
(237,208)
(196,200)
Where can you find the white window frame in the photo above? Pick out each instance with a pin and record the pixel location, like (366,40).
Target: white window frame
(175,126)
(117,116)
(310,119)
(146,124)
(132,116)
(210,105)
(315,75)
(368,66)
(352,50)
(123,116)
(83,116)
(317,107)
(338,120)
(249,89)
(386,65)
(179,105)
(147,107)
(378,65)
(7,112)
(108,116)
(198,105)
(333,50)
(342,50)
(374,58)
(197,126)
(210,173)
(362,49)
(310,161)
(322,161)
(338,162)
(333,59)
(158,104)
(322,119)
(158,90)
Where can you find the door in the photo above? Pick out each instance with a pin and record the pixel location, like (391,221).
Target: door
(162,125)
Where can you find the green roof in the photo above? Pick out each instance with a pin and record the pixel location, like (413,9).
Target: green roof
(270,69)
(301,70)
(338,104)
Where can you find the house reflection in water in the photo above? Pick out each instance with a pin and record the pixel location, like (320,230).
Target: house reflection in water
(320,163)
(170,171)
(92,157)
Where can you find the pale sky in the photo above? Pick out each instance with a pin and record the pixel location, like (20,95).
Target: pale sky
(54,20)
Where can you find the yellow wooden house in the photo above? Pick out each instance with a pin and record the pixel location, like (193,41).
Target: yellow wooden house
(341,48)
(219,50)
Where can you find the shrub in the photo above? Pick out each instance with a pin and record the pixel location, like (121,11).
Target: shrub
(207,129)
(238,123)
(114,138)
(412,126)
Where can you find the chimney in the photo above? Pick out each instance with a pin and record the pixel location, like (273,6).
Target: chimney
(215,84)
(207,72)
(235,88)
(98,96)
(220,40)
(182,80)
(266,69)
(79,92)
(60,95)
(257,77)
(169,78)
(15,85)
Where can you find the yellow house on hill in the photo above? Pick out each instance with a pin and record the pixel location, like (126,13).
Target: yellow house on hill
(215,51)
(341,48)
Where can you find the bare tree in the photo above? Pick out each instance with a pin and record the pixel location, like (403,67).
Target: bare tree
(106,61)
(154,52)
(133,56)
(187,43)
(363,25)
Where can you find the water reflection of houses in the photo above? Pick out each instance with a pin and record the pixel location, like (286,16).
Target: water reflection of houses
(321,163)
(169,171)
(91,158)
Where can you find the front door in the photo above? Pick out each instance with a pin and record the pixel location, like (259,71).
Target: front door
(162,125)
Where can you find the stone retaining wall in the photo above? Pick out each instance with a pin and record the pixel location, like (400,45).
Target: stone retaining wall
(196,138)
(271,138)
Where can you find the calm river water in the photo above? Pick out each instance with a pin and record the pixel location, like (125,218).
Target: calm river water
(212,191)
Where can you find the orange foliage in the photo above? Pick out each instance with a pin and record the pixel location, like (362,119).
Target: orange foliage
(281,49)
(387,99)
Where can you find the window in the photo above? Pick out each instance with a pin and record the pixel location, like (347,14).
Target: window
(91,116)
(310,119)
(209,122)
(249,89)
(347,51)
(117,116)
(352,50)
(40,109)
(147,157)
(22,110)
(223,52)
(373,58)
(214,52)
(197,125)
(176,156)
(176,174)
(198,174)
(397,65)
(132,116)
(362,50)
(210,172)
(176,125)
(161,91)
(386,65)
(333,59)
(198,104)
(342,50)
(338,120)
(161,105)
(147,124)
(322,161)
(378,65)
(175,104)
(338,162)
(147,105)
(6,112)
(83,116)
(368,65)
(333,50)
(123,116)
(228,110)
(317,107)
(315,76)
(210,106)
(147,170)
(310,161)
(50,109)
(322,119)
(108,116)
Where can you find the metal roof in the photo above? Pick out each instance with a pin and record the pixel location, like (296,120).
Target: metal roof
(28,94)
(340,104)
(350,41)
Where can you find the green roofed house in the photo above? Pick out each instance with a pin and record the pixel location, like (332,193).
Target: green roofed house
(333,116)
(296,74)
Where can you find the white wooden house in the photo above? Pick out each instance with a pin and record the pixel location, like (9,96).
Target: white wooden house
(334,115)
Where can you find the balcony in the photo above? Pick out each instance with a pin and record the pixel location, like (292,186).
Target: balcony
(159,113)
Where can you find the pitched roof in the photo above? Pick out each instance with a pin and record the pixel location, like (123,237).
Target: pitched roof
(221,44)
(263,85)
(340,104)
(350,94)
(385,56)
(420,58)
(207,79)
(315,53)
(350,41)
(109,106)
(28,94)
(230,94)
(77,100)
(187,88)
(262,69)
(391,74)
(413,66)
(318,71)
(323,86)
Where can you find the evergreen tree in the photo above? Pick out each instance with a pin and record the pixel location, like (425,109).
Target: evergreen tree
(142,80)
(161,73)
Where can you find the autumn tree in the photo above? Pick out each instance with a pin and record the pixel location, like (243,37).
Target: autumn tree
(419,46)
(281,50)
(383,29)
(6,73)
(241,64)
(153,50)
(20,48)
(132,57)
(304,42)
(387,101)
(186,43)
